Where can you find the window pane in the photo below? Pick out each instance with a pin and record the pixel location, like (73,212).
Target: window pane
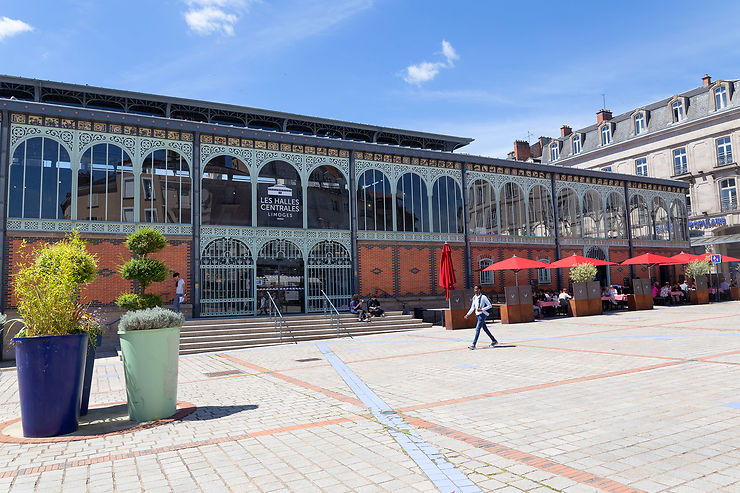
(32,182)
(15,190)
(412,204)
(227,193)
(328,199)
(374,202)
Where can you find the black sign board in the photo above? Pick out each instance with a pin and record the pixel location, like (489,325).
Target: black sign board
(637,286)
(701,282)
(512,295)
(580,291)
(525,295)
(647,287)
(459,299)
(594,290)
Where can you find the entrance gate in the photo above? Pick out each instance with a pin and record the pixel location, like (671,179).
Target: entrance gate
(280,272)
(330,269)
(227,273)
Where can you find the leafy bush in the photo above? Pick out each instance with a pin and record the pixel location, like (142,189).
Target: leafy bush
(131,301)
(143,269)
(48,285)
(583,272)
(145,241)
(150,318)
(698,268)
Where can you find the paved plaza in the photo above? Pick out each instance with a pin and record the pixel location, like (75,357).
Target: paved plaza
(628,401)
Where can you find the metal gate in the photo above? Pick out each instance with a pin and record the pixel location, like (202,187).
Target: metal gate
(330,269)
(227,279)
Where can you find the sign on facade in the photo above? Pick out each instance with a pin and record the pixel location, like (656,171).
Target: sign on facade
(279,205)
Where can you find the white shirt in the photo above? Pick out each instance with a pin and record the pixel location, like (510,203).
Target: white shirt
(480,302)
(180,286)
(684,286)
(563,296)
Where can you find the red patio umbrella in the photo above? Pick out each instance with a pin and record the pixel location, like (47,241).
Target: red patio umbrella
(578,260)
(684,258)
(516,264)
(647,259)
(446,271)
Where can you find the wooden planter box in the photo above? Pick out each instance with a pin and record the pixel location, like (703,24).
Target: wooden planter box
(699,296)
(735,294)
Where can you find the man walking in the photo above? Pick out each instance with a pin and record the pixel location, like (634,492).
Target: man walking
(480,307)
(179,291)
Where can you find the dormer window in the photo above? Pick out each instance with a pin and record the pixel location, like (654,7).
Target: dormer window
(720,97)
(577,144)
(554,151)
(606,134)
(678,111)
(640,125)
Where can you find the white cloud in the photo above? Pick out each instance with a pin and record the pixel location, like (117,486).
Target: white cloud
(10,27)
(426,71)
(449,52)
(206,17)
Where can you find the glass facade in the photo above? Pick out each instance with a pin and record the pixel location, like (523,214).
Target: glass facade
(412,204)
(226,193)
(374,202)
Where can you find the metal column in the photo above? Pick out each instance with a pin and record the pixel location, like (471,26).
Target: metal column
(466,228)
(554,198)
(4,169)
(353,221)
(195,245)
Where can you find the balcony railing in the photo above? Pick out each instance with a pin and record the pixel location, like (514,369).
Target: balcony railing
(729,204)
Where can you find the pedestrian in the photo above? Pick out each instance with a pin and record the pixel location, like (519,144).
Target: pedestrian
(179,291)
(373,306)
(355,306)
(263,304)
(480,307)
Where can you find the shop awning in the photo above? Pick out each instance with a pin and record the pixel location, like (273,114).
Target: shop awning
(714,240)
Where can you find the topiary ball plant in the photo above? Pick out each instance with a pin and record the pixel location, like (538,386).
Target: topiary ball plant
(583,272)
(143,269)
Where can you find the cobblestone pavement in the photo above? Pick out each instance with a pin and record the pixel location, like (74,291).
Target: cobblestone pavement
(629,401)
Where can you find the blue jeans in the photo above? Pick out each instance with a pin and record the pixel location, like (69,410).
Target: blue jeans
(482,325)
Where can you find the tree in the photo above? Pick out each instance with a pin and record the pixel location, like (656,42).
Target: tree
(143,269)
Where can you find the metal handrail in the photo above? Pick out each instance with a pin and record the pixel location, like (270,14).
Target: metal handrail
(275,316)
(332,313)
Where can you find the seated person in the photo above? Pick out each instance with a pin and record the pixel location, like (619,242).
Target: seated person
(537,310)
(684,286)
(563,298)
(612,294)
(656,290)
(373,307)
(724,286)
(676,298)
(355,306)
(665,293)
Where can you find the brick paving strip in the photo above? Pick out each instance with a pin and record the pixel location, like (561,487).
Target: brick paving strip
(442,473)
(531,460)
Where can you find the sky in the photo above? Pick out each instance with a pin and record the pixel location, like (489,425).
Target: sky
(490,70)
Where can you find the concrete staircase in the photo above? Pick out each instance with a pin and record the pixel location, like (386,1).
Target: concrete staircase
(222,334)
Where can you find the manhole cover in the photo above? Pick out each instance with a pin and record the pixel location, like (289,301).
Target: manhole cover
(223,373)
(308,359)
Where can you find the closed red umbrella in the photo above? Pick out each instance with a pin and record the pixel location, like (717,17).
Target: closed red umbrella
(446,271)
(578,260)
(516,264)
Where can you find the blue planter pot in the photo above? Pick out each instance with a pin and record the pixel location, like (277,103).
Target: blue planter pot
(50,375)
(89,364)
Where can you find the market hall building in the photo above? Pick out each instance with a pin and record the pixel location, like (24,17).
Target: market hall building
(253,200)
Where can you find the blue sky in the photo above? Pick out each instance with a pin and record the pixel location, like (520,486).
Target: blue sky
(493,71)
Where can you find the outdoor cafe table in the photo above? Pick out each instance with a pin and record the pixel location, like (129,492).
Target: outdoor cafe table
(543,304)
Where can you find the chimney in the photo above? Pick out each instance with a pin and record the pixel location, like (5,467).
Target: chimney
(603,115)
(706,80)
(522,151)
(565,130)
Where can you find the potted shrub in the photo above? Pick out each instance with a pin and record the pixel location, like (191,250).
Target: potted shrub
(697,271)
(51,347)
(150,343)
(581,275)
(150,335)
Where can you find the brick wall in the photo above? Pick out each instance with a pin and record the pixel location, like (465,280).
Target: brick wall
(111,252)
(507,278)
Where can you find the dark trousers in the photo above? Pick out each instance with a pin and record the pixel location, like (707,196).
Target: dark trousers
(482,325)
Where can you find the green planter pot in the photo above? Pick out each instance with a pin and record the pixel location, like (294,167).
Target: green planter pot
(150,366)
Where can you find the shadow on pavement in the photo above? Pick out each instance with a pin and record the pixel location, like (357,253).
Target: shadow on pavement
(204,413)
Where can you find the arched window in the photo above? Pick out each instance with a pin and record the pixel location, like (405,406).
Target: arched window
(639,218)
(105,185)
(541,221)
(328,199)
(412,204)
(678,221)
(616,226)
(279,196)
(165,188)
(661,225)
(513,210)
(569,221)
(226,196)
(374,202)
(482,210)
(487,276)
(593,215)
(40,182)
(447,206)
(544,276)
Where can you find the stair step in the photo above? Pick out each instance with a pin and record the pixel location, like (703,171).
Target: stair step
(220,336)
